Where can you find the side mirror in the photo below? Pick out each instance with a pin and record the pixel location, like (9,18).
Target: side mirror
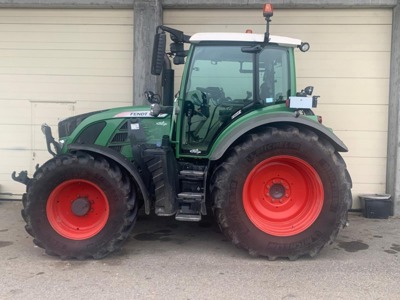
(179,51)
(159,45)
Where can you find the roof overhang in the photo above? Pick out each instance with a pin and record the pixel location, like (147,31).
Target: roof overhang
(242,37)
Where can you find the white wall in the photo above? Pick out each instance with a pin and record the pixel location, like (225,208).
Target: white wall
(56,63)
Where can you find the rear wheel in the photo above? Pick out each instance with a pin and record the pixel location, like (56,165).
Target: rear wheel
(79,206)
(282,193)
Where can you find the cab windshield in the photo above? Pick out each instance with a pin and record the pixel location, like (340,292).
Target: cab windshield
(222,80)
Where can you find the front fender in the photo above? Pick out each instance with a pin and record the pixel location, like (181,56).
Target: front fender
(233,132)
(122,161)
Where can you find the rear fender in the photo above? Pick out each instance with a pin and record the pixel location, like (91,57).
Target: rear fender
(236,131)
(122,161)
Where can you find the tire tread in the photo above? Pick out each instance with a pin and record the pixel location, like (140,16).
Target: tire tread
(220,180)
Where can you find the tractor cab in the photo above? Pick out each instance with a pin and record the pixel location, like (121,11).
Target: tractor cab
(226,76)
(225,79)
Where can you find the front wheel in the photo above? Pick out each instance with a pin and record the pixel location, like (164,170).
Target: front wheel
(79,206)
(282,193)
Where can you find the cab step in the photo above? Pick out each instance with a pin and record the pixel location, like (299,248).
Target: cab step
(191,174)
(190,197)
(188,217)
(189,204)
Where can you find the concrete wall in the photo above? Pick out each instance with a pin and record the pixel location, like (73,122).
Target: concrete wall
(147,16)
(200,3)
(393,162)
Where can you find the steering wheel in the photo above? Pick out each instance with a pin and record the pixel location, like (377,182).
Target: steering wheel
(211,93)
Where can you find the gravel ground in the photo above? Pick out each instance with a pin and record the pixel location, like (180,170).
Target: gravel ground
(166,259)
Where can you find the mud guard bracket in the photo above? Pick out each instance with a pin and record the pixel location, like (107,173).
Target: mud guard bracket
(50,140)
(22,177)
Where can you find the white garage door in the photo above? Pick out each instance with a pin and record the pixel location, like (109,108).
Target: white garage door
(54,64)
(348,65)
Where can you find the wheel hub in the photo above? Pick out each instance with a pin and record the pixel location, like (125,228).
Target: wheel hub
(80,206)
(277,191)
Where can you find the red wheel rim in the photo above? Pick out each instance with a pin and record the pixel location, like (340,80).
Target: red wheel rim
(77,209)
(283,195)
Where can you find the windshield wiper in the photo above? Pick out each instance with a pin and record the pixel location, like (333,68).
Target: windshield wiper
(252,49)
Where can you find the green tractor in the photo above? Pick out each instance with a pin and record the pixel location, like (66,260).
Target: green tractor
(237,141)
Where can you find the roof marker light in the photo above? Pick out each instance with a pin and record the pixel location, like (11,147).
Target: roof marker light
(249,31)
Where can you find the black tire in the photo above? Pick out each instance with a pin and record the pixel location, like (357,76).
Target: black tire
(229,191)
(104,213)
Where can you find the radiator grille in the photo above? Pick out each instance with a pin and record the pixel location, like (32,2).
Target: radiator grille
(120,138)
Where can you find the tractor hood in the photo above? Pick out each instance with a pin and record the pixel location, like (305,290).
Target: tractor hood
(110,127)
(67,126)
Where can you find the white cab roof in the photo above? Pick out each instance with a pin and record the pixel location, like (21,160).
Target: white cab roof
(243,37)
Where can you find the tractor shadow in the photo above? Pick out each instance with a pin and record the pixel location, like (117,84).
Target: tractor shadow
(153,234)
